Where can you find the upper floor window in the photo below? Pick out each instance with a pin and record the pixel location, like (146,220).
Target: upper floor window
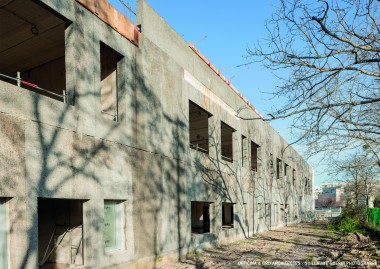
(254,156)
(198,128)
(109,60)
(278,167)
(286,172)
(244,150)
(227,142)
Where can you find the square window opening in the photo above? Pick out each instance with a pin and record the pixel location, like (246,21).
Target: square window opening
(198,128)
(32,56)
(200,217)
(114,223)
(227,142)
(227,215)
(109,77)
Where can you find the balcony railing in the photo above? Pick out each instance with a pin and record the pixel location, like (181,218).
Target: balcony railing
(198,148)
(20,82)
(228,159)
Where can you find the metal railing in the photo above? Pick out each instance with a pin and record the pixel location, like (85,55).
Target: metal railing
(20,82)
(228,159)
(198,148)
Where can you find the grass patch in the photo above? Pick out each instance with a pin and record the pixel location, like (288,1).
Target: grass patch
(159,258)
(314,227)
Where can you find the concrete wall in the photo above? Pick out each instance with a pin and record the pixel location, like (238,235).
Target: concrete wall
(71,151)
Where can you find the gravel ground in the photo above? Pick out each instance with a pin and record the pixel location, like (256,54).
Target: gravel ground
(305,245)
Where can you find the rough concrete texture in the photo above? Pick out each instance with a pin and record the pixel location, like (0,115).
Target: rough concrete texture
(50,149)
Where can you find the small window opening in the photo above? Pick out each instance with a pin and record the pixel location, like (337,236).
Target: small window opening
(267,213)
(3,234)
(227,142)
(276,214)
(200,217)
(198,128)
(278,168)
(260,211)
(294,176)
(109,60)
(254,156)
(32,48)
(286,172)
(244,150)
(227,215)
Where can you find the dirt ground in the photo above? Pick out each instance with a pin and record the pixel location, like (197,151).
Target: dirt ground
(305,245)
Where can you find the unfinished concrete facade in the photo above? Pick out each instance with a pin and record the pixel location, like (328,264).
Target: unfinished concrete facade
(135,150)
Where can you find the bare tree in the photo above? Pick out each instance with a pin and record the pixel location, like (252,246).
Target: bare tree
(361,181)
(330,51)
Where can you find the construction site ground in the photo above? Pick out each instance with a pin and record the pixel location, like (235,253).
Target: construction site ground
(304,245)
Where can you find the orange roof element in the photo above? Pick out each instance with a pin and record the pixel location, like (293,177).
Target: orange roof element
(111,16)
(224,78)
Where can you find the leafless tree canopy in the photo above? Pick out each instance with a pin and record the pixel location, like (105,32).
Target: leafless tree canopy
(330,51)
(362,182)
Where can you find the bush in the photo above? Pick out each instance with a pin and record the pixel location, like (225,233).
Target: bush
(348,225)
(376,203)
(352,220)
(351,225)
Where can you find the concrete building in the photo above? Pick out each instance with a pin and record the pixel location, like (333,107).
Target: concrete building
(134,151)
(330,194)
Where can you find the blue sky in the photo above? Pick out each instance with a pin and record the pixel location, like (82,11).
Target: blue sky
(230,27)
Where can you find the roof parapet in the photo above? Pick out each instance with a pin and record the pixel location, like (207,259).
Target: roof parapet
(111,16)
(224,79)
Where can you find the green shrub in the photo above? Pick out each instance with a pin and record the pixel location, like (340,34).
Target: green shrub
(332,226)
(347,224)
(350,225)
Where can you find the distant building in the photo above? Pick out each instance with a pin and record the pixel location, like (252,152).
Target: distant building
(330,194)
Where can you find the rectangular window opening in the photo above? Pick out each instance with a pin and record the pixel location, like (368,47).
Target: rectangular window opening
(260,210)
(227,215)
(278,168)
(198,128)
(294,177)
(267,213)
(200,217)
(244,150)
(271,165)
(33,56)
(275,214)
(286,169)
(109,74)
(3,233)
(60,233)
(227,142)
(254,156)
(114,222)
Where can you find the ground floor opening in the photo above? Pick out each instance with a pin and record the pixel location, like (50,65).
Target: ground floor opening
(60,233)
(200,217)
